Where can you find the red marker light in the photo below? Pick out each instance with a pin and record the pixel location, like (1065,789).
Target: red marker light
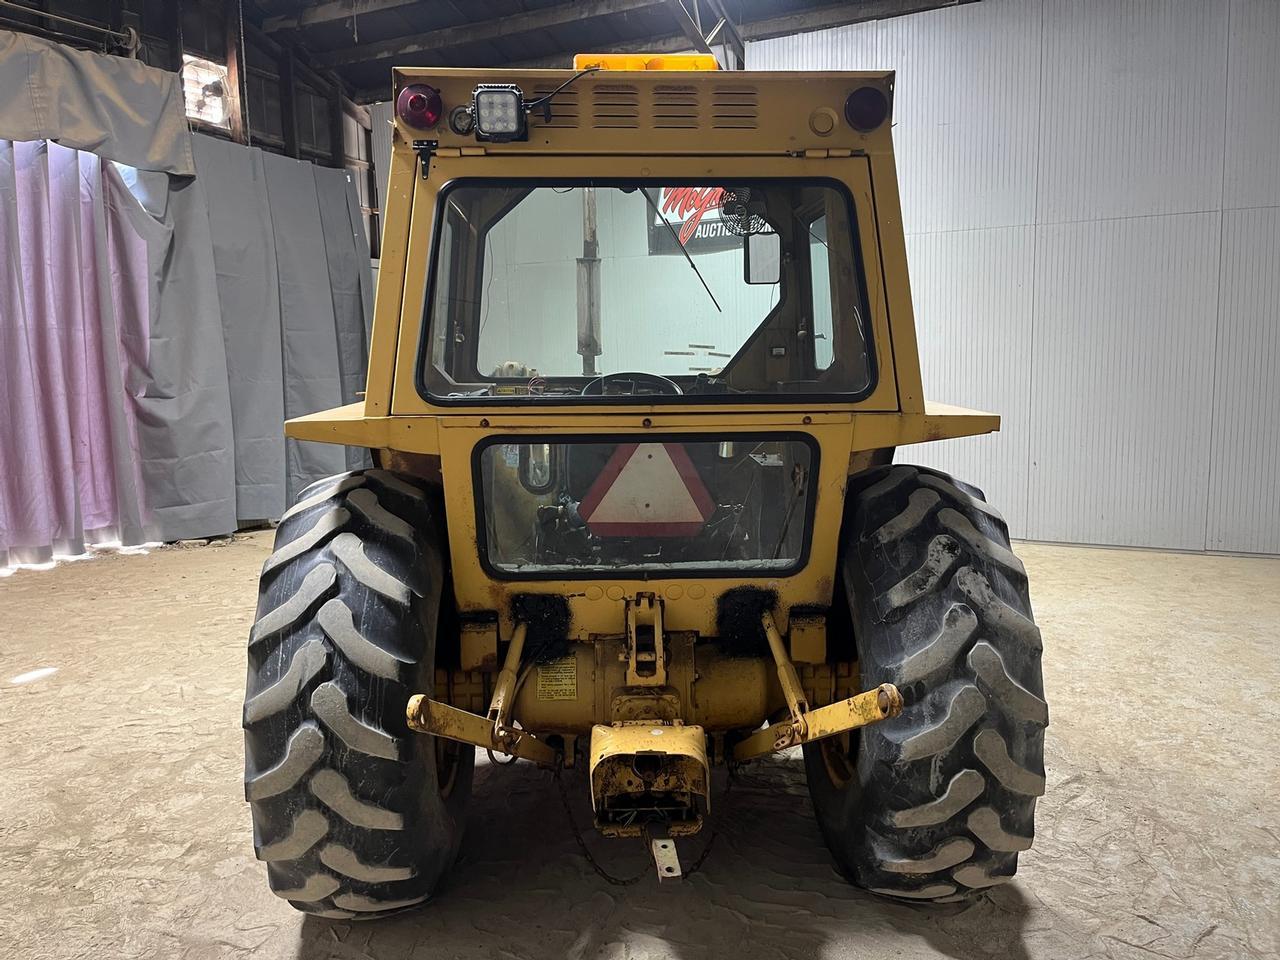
(420,106)
(866,109)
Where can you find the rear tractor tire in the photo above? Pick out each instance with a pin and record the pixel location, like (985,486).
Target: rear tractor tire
(355,815)
(937,803)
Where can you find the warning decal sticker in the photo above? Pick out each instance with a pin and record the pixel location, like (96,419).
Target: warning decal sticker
(647,490)
(558,680)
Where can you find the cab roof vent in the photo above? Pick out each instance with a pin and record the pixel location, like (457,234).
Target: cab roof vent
(735,107)
(565,106)
(675,107)
(615,106)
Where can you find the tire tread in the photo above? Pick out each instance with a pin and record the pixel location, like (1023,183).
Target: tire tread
(942,797)
(335,780)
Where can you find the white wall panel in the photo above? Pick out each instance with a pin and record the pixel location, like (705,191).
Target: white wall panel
(972,294)
(1132,96)
(1253,105)
(1146,134)
(966,113)
(1122,359)
(965,106)
(1244,479)
(382,116)
(844,48)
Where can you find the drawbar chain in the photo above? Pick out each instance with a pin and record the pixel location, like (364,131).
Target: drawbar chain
(601,871)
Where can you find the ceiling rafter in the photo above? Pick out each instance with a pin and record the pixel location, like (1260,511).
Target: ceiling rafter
(462,34)
(688,16)
(330,11)
(821,18)
(733,37)
(690,24)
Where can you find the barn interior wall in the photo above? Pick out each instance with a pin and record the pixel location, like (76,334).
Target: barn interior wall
(1092,202)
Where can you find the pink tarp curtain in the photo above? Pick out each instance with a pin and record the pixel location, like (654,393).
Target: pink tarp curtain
(156,327)
(73,352)
(117,417)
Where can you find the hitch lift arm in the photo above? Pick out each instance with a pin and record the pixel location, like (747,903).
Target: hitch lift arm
(491,731)
(806,725)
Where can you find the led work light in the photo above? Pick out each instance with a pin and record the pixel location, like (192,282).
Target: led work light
(498,109)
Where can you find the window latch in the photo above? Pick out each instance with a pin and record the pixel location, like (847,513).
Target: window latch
(426,149)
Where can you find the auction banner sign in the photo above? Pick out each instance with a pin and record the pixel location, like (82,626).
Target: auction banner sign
(694,215)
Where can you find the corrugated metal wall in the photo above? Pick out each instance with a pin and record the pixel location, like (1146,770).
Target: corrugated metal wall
(382,116)
(1092,199)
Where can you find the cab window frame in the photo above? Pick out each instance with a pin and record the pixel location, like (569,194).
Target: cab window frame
(656,571)
(862,304)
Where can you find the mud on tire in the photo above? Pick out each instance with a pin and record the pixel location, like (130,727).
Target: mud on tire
(937,803)
(354,815)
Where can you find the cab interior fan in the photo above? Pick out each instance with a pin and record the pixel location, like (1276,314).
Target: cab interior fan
(741,215)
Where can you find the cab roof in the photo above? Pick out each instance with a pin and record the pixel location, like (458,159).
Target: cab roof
(665,111)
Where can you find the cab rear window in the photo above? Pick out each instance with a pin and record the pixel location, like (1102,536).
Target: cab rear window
(607,291)
(669,505)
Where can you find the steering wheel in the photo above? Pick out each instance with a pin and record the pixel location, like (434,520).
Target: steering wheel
(657,385)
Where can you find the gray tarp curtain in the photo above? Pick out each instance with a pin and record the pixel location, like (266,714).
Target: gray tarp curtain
(293,271)
(113,107)
(155,328)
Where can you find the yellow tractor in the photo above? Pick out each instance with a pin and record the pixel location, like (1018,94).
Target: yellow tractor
(642,354)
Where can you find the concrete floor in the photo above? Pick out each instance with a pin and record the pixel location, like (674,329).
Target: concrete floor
(123,832)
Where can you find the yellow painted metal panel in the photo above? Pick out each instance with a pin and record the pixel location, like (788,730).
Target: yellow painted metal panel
(897,284)
(421,433)
(397,211)
(597,604)
(782,116)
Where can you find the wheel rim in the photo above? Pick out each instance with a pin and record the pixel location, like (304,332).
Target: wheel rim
(448,759)
(839,756)
(840,753)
